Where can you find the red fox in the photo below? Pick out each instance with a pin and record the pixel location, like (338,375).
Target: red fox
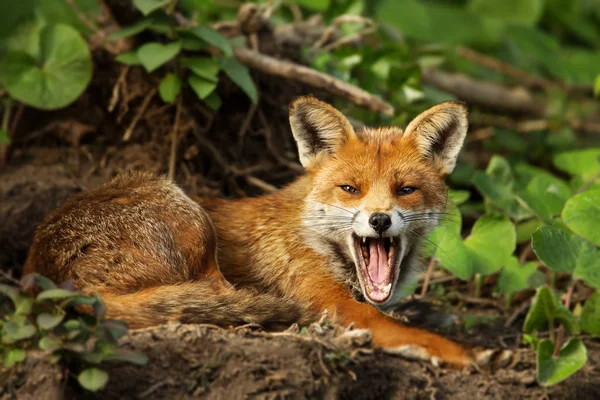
(343,237)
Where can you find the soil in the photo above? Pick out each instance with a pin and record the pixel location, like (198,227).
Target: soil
(242,150)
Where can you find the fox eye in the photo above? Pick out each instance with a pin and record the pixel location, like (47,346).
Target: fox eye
(406,190)
(350,189)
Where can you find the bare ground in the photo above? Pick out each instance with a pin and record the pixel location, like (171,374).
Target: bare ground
(187,361)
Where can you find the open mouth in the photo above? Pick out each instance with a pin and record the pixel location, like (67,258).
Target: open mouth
(377,258)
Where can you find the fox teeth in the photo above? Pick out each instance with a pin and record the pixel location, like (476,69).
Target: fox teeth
(364,239)
(387,287)
(391,239)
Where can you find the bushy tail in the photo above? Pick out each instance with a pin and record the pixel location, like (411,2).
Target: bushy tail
(197,302)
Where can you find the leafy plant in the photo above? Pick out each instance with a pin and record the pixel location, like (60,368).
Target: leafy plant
(183,49)
(64,323)
(44,60)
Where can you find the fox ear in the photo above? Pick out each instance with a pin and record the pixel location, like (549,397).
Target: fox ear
(440,132)
(319,129)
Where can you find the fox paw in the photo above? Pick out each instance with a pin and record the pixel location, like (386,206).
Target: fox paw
(486,359)
(493,359)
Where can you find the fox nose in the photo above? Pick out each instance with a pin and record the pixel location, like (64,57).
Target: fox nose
(380,222)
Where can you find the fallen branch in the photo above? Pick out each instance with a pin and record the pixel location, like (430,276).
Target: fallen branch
(533,125)
(306,75)
(140,113)
(532,81)
(514,100)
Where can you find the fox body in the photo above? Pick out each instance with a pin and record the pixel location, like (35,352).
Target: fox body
(342,237)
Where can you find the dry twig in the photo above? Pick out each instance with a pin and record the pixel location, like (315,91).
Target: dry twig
(515,100)
(309,76)
(140,113)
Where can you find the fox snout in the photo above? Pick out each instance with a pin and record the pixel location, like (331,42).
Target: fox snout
(380,222)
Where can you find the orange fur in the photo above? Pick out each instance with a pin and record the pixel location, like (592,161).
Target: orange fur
(157,256)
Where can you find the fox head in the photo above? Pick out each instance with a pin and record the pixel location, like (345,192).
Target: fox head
(376,192)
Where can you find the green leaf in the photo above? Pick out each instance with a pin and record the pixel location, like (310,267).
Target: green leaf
(446,245)
(204,67)
(526,228)
(128,58)
(515,278)
(23,305)
(169,88)
(115,328)
(571,357)
(131,30)
(99,306)
(48,321)
(315,5)
(18,330)
(13,356)
(127,356)
(496,184)
(201,86)
(588,265)
(56,77)
(491,243)
(458,197)
(29,281)
(582,215)
(153,55)
(93,379)
(11,292)
(239,74)
(584,162)
(72,325)
(94,357)
(558,249)
(214,101)
(147,6)
(546,308)
(563,252)
(526,12)
(590,316)
(79,300)
(545,197)
(4,138)
(49,343)
(597,86)
(213,38)
(54,294)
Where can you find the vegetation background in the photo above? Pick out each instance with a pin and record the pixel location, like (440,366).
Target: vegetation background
(198,89)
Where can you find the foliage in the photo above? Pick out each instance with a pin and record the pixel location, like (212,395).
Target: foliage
(538,189)
(63,323)
(199,72)
(44,62)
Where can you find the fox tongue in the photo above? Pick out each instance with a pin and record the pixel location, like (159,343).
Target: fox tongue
(378,261)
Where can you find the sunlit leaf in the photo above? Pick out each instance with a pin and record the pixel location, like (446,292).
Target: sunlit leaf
(590,316)
(56,77)
(571,357)
(93,379)
(148,6)
(153,55)
(582,215)
(169,87)
(491,243)
(239,74)
(201,86)
(213,38)
(49,321)
(13,356)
